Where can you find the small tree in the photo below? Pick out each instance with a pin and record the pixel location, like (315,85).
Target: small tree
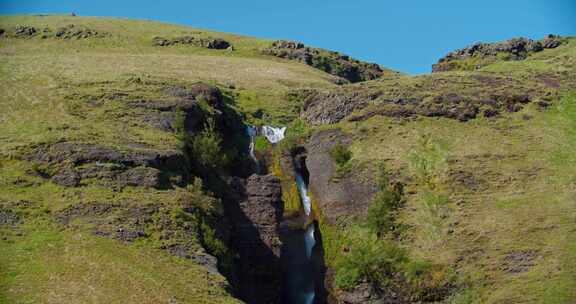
(382,211)
(341,154)
(206,147)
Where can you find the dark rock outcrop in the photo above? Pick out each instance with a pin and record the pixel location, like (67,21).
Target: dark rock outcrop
(72,31)
(78,153)
(365,293)
(67,177)
(8,217)
(210,43)
(328,61)
(486,53)
(217,43)
(129,221)
(23,31)
(256,239)
(519,261)
(331,107)
(481,95)
(147,168)
(162,114)
(350,194)
(141,176)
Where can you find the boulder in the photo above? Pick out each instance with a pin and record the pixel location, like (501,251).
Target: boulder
(350,194)
(331,107)
(67,177)
(141,176)
(72,31)
(25,31)
(210,43)
(256,239)
(218,44)
(486,53)
(8,217)
(330,62)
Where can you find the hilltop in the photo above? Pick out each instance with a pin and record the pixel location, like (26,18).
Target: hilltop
(125,174)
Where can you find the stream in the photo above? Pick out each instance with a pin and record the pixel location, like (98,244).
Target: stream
(298,245)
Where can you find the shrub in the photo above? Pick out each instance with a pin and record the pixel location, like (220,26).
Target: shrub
(368,258)
(434,208)
(297,128)
(381,213)
(415,271)
(382,210)
(206,148)
(261,144)
(428,161)
(341,154)
(180,124)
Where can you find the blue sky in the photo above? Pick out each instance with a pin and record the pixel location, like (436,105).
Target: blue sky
(406,35)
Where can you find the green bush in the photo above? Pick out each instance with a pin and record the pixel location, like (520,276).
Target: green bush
(341,154)
(428,161)
(415,271)
(261,144)
(180,124)
(371,259)
(381,213)
(297,128)
(206,148)
(382,210)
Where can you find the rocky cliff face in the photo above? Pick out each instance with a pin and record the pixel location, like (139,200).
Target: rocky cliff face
(486,53)
(346,194)
(255,223)
(349,69)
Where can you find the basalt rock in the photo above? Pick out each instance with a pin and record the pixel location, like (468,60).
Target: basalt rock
(256,238)
(8,217)
(482,54)
(23,31)
(130,221)
(217,43)
(163,113)
(146,168)
(484,96)
(141,176)
(331,107)
(350,194)
(78,153)
(66,177)
(72,31)
(210,43)
(328,61)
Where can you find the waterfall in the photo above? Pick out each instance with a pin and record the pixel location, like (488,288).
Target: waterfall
(273,134)
(300,282)
(309,240)
(251,131)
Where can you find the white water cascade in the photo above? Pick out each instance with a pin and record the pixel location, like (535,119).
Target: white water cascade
(302,282)
(273,134)
(251,131)
(309,240)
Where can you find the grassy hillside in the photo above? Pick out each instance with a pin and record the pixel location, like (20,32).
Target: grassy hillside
(490,198)
(58,90)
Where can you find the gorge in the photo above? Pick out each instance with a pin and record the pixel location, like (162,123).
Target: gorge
(300,275)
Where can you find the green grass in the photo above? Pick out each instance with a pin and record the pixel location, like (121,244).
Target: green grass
(48,265)
(56,90)
(525,170)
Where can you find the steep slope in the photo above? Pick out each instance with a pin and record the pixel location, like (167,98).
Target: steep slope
(97,133)
(488,189)
(125,174)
